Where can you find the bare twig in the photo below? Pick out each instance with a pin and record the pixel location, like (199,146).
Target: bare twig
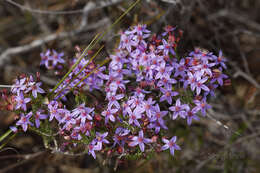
(242,54)
(36,43)
(26,157)
(57,150)
(247,77)
(209,115)
(5,86)
(172,1)
(9,148)
(84,19)
(237,17)
(96,6)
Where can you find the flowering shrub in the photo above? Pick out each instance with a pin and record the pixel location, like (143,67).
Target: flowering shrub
(124,108)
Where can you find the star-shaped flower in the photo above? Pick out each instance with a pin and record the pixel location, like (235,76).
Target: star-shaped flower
(140,140)
(167,95)
(25,121)
(170,144)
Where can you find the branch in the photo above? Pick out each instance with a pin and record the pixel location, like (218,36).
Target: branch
(27,158)
(4,57)
(246,76)
(94,6)
(236,17)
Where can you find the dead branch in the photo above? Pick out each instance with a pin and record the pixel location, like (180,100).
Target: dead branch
(236,17)
(5,56)
(95,6)
(26,157)
(246,76)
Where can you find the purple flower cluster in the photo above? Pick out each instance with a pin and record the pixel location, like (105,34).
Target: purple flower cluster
(146,87)
(51,59)
(25,90)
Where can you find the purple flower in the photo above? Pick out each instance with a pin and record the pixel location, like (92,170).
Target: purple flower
(219,76)
(166,82)
(157,113)
(134,116)
(220,60)
(21,101)
(68,120)
(140,78)
(191,114)
(205,67)
(180,68)
(166,47)
(118,60)
(167,95)
(126,42)
(25,121)
(126,108)
(118,84)
(212,88)
(170,144)
(139,30)
(120,136)
(202,106)
(139,92)
(179,109)
(168,29)
(39,116)
(136,102)
(92,148)
(35,88)
(85,127)
(19,86)
(157,119)
(62,114)
(113,100)
(200,85)
(53,110)
(108,114)
(83,113)
(100,139)
(148,107)
(51,60)
(140,140)
(80,109)
(86,115)
(75,134)
(196,82)
(57,58)
(191,81)
(163,71)
(45,58)
(157,125)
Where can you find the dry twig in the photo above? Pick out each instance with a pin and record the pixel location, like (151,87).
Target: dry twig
(95,6)
(4,57)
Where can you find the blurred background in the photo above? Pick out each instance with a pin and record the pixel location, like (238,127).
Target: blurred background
(227,140)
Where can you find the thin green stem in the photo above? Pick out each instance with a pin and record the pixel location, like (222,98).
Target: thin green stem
(100,65)
(73,67)
(103,63)
(80,70)
(9,139)
(5,135)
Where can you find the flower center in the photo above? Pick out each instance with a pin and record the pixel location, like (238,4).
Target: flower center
(140,139)
(168,93)
(171,144)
